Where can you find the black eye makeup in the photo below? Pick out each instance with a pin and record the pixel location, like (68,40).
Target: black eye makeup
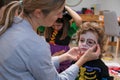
(89,42)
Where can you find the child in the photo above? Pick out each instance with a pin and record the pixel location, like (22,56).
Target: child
(89,35)
(59,35)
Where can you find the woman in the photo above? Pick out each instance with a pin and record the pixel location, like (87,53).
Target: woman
(26,56)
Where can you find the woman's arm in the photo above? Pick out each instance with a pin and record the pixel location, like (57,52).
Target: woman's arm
(74,54)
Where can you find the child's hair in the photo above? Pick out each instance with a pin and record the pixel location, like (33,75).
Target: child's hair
(66,25)
(28,6)
(94,28)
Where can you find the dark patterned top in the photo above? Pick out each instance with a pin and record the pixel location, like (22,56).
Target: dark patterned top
(94,70)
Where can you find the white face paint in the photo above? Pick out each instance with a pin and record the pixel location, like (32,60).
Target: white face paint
(86,41)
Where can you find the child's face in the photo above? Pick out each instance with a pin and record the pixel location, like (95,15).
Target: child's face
(86,41)
(57,26)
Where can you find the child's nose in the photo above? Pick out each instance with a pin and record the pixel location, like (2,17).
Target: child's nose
(84,43)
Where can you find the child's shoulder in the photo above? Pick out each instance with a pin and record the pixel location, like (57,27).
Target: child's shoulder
(97,62)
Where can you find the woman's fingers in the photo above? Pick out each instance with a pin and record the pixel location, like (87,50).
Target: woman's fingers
(98,51)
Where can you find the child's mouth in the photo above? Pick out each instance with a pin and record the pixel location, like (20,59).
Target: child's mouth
(83,49)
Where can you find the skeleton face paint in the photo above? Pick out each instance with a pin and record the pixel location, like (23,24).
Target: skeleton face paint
(86,41)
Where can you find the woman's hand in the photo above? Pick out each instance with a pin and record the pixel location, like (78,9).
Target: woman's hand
(89,55)
(73,53)
(92,53)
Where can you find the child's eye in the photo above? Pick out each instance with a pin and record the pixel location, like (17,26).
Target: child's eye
(91,42)
(82,40)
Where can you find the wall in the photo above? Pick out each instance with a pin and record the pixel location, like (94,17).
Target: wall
(112,5)
(84,4)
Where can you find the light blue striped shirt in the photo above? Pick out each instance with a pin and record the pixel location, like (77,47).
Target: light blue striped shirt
(26,56)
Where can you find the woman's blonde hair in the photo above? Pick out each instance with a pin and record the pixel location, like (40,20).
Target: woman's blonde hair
(28,6)
(94,28)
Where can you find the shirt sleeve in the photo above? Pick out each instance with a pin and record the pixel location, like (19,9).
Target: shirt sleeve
(55,61)
(38,61)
